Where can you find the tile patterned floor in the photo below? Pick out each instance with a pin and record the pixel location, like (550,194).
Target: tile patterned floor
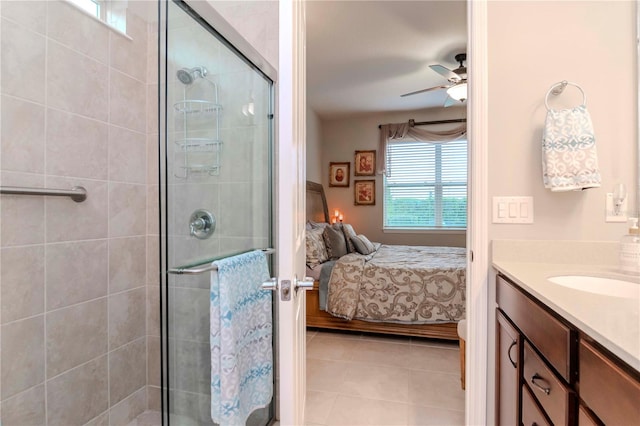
(359,379)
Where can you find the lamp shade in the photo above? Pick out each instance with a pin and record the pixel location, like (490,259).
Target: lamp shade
(458,92)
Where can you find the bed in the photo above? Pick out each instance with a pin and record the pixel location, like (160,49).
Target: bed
(401,290)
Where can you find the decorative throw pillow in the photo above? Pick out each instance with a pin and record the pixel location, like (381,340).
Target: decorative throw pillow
(316,225)
(362,244)
(316,250)
(334,241)
(348,234)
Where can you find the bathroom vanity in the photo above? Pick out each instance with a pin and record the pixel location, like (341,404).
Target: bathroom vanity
(565,355)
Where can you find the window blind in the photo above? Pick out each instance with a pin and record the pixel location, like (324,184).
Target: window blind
(426,185)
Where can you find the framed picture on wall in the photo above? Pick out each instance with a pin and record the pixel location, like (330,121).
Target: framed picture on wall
(365,163)
(339,174)
(364,192)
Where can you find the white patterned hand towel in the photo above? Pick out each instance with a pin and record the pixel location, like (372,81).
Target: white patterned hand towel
(240,338)
(569,157)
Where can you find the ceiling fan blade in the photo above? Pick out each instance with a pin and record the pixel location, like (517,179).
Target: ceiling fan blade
(425,90)
(446,72)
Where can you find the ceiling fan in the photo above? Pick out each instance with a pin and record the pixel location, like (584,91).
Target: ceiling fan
(457,90)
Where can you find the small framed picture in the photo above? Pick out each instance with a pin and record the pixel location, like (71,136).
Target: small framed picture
(365,192)
(365,163)
(339,174)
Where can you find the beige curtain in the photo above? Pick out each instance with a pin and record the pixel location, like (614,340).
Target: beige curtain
(404,131)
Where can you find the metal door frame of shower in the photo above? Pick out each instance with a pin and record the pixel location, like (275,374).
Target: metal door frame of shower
(227,35)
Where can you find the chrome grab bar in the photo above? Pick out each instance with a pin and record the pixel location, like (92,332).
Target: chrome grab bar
(208,265)
(77,193)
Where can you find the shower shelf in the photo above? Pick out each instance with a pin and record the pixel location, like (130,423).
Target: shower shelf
(196,106)
(199,144)
(202,168)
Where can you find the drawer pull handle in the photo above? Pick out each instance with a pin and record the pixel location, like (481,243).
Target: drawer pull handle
(535,377)
(509,353)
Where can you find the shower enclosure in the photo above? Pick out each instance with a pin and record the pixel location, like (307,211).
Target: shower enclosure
(216,138)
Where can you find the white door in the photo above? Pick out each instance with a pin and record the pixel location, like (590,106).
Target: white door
(290,214)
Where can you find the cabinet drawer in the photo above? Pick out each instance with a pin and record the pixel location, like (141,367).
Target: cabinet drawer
(552,394)
(531,413)
(552,338)
(611,393)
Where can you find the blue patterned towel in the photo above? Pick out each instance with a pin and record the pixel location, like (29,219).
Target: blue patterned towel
(240,338)
(569,157)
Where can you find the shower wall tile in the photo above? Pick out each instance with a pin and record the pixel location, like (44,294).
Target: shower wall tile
(191,314)
(152,53)
(153,311)
(153,361)
(127,263)
(129,55)
(69,221)
(76,335)
(22,62)
(31,14)
(126,411)
(126,317)
(127,370)
(22,345)
(128,102)
(127,155)
(26,408)
(153,152)
(73,28)
(236,219)
(76,272)
(79,395)
(76,146)
(22,277)
(76,83)
(22,136)
(153,260)
(99,420)
(21,218)
(192,358)
(154,398)
(127,210)
(153,210)
(152,108)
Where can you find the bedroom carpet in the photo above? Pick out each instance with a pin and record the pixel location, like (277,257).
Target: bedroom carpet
(359,379)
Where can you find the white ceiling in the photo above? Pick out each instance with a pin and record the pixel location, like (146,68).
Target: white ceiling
(362,55)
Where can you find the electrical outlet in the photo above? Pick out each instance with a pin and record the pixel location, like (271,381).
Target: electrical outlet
(610,214)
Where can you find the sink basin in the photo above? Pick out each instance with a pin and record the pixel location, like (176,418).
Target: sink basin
(599,285)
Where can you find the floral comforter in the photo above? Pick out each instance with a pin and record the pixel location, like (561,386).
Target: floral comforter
(407,284)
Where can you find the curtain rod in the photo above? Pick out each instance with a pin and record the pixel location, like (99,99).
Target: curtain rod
(423,123)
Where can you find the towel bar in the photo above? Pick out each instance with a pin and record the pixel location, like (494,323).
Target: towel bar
(77,193)
(208,265)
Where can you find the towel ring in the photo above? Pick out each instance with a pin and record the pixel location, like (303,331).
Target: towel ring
(559,87)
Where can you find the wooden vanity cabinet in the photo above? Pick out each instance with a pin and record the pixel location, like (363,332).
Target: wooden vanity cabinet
(562,377)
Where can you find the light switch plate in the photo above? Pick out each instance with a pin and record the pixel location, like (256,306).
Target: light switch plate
(513,210)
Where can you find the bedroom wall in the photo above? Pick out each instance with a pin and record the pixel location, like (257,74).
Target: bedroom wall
(340,138)
(314,146)
(590,43)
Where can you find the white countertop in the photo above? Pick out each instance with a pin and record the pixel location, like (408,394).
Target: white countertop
(614,322)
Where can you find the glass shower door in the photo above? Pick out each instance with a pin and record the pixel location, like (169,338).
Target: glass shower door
(216,194)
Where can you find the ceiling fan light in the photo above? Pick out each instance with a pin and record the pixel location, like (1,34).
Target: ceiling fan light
(458,92)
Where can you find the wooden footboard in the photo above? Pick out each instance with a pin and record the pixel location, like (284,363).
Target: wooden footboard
(320,319)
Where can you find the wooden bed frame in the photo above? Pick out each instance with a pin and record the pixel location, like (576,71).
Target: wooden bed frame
(318,211)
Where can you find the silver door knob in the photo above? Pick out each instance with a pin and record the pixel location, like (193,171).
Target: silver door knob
(305,284)
(270,284)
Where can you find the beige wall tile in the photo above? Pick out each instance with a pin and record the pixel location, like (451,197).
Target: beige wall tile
(152,52)
(129,55)
(76,272)
(152,108)
(191,359)
(22,58)
(100,420)
(153,361)
(128,102)
(22,136)
(22,218)
(190,314)
(127,210)
(127,263)
(68,221)
(32,15)
(127,155)
(22,278)
(74,29)
(127,370)
(76,335)
(26,408)
(153,311)
(22,355)
(153,152)
(76,146)
(153,211)
(128,410)
(154,398)
(126,317)
(153,260)
(78,395)
(76,83)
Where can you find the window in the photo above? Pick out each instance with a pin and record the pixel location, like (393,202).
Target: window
(426,185)
(111,12)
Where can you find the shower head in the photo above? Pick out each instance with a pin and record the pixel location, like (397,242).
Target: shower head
(187,76)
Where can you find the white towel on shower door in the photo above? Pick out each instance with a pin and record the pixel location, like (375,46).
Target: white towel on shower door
(241,333)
